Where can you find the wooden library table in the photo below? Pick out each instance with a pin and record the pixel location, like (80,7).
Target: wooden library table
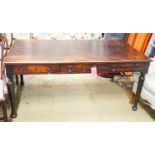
(73,56)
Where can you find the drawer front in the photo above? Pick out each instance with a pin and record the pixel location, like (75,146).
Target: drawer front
(74,68)
(121,67)
(35,69)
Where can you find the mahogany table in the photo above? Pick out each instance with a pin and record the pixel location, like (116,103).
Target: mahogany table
(73,56)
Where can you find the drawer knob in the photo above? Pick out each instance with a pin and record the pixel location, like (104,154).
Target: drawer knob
(48,70)
(69,70)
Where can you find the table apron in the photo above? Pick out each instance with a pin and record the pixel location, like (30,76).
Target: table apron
(77,68)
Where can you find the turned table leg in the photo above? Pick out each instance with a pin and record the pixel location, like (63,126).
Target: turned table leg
(22,80)
(139,88)
(112,79)
(16,79)
(4,107)
(11,91)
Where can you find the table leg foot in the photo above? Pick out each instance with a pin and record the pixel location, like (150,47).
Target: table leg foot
(134,108)
(13,115)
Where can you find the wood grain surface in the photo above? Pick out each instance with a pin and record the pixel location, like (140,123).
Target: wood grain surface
(72,51)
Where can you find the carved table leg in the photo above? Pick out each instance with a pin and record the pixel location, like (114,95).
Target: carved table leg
(22,80)
(11,91)
(139,88)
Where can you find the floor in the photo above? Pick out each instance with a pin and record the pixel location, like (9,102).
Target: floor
(76,98)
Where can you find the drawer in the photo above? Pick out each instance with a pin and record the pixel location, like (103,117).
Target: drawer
(32,69)
(119,68)
(36,69)
(123,65)
(75,68)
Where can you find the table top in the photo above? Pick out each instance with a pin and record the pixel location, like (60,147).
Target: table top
(72,51)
